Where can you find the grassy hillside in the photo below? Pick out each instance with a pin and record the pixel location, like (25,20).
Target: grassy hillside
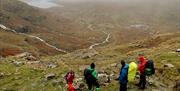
(28,77)
(61,32)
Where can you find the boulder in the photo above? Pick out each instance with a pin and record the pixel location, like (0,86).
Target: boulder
(50,76)
(168,65)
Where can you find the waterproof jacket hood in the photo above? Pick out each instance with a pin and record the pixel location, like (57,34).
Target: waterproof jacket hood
(141,65)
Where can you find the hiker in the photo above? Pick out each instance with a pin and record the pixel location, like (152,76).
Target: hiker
(132,71)
(123,76)
(91,77)
(69,77)
(141,70)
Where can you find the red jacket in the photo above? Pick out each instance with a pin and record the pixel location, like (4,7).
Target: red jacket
(70,78)
(141,65)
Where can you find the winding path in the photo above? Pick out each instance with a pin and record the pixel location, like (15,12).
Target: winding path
(32,36)
(103,42)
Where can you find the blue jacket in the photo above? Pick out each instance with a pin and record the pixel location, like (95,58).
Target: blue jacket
(123,76)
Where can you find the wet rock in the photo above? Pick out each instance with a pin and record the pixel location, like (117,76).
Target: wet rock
(168,65)
(50,76)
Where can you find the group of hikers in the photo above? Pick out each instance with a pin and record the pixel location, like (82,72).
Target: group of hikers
(127,74)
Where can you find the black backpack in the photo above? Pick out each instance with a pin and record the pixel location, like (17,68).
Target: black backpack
(149,68)
(88,75)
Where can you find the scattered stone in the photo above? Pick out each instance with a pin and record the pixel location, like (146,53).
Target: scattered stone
(33,85)
(168,65)
(31,58)
(82,85)
(18,63)
(178,70)
(49,76)
(1,58)
(101,71)
(24,54)
(78,80)
(178,50)
(88,55)
(114,65)
(57,82)
(27,56)
(105,84)
(33,62)
(52,66)
(2,75)
(177,85)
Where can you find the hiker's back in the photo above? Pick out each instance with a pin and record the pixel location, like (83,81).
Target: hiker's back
(149,68)
(132,71)
(88,74)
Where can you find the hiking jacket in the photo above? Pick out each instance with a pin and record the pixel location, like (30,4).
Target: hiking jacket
(123,76)
(132,71)
(94,73)
(70,78)
(141,64)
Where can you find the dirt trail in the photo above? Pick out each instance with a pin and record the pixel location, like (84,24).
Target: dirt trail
(101,43)
(32,36)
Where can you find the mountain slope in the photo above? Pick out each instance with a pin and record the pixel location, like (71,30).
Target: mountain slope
(107,62)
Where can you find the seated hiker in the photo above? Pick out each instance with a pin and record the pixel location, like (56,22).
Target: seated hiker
(69,78)
(90,76)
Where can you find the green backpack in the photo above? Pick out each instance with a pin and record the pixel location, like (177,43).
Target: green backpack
(149,68)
